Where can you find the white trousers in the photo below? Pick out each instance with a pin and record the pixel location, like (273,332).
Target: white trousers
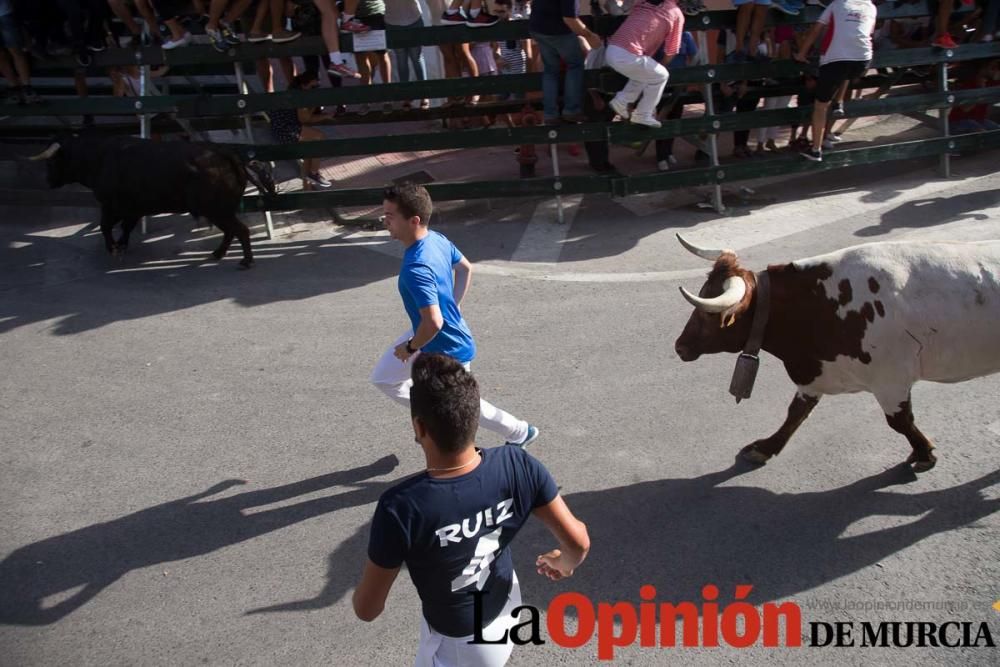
(646,77)
(780,102)
(437,650)
(392,377)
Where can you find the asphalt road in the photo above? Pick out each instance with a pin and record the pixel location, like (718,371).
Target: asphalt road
(190,453)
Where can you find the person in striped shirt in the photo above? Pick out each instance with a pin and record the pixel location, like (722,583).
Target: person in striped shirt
(652,24)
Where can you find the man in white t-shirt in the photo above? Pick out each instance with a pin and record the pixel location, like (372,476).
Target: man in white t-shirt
(845,52)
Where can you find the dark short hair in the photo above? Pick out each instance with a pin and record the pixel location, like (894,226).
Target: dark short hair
(445,398)
(411,199)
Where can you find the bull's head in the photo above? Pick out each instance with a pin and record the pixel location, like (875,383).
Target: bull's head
(723,309)
(57,163)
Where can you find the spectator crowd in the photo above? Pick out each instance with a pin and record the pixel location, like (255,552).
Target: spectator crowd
(564,41)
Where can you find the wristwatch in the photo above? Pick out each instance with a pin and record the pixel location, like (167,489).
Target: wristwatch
(410,349)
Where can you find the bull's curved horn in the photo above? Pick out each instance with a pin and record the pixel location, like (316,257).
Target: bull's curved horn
(47,153)
(733,291)
(705,253)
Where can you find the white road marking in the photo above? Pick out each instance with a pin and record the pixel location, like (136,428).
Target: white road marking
(543,238)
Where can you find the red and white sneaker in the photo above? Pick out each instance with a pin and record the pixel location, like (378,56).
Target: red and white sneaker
(482,20)
(342,70)
(458,18)
(944,42)
(354,25)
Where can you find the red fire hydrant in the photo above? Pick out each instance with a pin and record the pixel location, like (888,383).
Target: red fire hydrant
(526,156)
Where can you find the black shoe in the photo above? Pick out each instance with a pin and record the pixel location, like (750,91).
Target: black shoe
(574,118)
(228,35)
(838,110)
(812,154)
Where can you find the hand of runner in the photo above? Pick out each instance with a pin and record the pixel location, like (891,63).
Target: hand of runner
(402,353)
(550,565)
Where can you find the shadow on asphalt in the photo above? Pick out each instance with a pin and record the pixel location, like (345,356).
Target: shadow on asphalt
(680,534)
(84,562)
(935,211)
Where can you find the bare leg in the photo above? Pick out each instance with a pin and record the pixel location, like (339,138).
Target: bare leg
(761,450)
(902,422)
(945,8)
(819,123)
(757,27)
(215,10)
(331,33)
(21,66)
(743,15)
(6,70)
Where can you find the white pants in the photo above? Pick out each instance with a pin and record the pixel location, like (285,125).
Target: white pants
(646,77)
(437,650)
(392,377)
(780,102)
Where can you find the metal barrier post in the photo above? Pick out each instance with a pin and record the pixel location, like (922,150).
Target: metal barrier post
(145,121)
(555,172)
(713,145)
(945,164)
(241,85)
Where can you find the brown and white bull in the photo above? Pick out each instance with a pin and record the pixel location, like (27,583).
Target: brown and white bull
(875,317)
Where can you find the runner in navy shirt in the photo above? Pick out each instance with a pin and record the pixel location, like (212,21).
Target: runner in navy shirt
(433,280)
(452,525)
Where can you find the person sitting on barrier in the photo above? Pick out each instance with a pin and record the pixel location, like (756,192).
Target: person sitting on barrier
(406,14)
(942,38)
(455,57)
(846,54)
(470,13)
(319,17)
(750,15)
(975,117)
(781,42)
(652,24)
(672,107)
(223,13)
(124,14)
(291,126)
(13,61)
(556,28)
(372,14)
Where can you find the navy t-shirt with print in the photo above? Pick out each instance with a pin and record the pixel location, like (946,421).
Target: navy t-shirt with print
(454,534)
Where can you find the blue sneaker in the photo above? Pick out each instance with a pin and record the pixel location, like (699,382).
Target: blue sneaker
(530,438)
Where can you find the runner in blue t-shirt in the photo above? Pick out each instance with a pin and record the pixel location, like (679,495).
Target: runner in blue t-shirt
(452,526)
(433,280)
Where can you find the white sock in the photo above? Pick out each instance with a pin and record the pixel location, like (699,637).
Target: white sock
(474,12)
(451,12)
(344,18)
(336,57)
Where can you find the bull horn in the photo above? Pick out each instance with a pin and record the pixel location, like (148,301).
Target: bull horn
(47,153)
(733,291)
(705,253)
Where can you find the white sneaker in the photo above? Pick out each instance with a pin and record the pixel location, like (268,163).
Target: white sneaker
(620,108)
(184,40)
(648,121)
(663,165)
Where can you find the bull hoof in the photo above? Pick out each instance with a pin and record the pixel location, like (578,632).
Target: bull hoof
(751,454)
(246,264)
(218,255)
(919,465)
(117,250)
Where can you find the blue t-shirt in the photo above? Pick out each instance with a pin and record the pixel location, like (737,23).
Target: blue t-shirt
(426,279)
(454,534)
(547,16)
(688,48)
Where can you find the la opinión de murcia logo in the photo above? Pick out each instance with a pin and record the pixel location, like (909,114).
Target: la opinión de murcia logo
(737,624)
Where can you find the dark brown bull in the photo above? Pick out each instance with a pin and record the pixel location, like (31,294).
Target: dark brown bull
(132,178)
